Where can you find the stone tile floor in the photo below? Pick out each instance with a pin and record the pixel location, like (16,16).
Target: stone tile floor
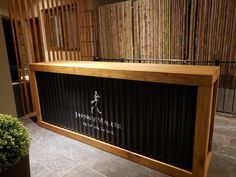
(53,155)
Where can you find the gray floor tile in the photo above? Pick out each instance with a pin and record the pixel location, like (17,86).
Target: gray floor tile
(54,161)
(68,148)
(35,168)
(56,156)
(82,171)
(222,166)
(47,173)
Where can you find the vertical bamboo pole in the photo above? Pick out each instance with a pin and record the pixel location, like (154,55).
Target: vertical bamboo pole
(192,29)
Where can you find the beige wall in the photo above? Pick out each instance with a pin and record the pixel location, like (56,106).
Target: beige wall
(7,102)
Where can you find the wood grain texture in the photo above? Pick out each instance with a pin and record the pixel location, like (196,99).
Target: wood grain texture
(176,74)
(202,131)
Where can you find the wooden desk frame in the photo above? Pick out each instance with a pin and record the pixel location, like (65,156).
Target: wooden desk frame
(204,77)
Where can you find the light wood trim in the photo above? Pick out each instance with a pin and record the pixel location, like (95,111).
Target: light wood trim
(35,96)
(214,104)
(160,166)
(30,115)
(202,130)
(17,58)
(207,164)
(175,74)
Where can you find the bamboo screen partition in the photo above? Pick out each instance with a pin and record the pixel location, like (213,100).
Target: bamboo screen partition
(172,29)
(145,29)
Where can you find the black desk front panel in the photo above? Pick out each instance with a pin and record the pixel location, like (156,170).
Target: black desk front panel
(153,119)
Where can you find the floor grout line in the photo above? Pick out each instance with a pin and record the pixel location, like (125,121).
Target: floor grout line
(38,135)
(94,170)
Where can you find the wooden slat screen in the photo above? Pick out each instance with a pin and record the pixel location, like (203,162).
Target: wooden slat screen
(49,30)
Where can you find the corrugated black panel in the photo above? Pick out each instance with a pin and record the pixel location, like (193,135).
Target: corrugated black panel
(153,119)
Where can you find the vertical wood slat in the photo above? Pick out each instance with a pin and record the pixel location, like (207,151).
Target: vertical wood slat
(20,52)
(72,24)
(86,28)
(29,30)
(35,31)
(95,31)
(68,28)
(59,35)
(26,56)
(81,35)
(202,130)
(49,26)
(54,32)
(77,30)
(51,49)
(40,29)
(18,63)
(46,29)
(64,29)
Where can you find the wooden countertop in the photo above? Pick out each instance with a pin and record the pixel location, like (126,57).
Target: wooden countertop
(164,73)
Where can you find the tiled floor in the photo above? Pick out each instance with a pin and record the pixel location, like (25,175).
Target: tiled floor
(53,155)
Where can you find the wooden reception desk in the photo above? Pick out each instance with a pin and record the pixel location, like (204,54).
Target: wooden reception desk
(161,116)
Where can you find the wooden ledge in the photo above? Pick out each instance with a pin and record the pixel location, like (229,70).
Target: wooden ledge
(163,73)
